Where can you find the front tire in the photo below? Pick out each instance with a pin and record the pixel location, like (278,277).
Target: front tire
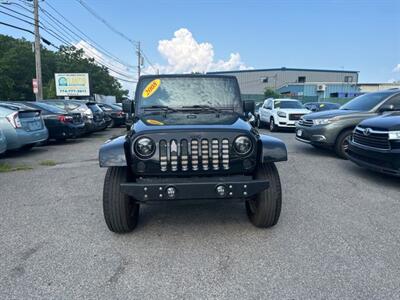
(272,126)
(112,124)
(121,212)
(264,209)
(342,143)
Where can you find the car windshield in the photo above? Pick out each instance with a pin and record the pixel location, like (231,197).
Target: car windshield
(365,102)
(178,92)
(287,104)
(50,108)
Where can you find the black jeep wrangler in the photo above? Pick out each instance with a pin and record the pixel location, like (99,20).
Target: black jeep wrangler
(191,140)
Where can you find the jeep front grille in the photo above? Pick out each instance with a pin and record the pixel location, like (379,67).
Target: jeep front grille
(194,155)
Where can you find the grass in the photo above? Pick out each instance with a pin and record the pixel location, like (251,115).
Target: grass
(5,167)
(48,163)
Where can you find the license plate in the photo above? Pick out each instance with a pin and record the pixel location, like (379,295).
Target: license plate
(299,132)
(35,126)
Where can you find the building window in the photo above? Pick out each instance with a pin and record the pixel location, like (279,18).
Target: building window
(264,79)
(301,79)
(348,78)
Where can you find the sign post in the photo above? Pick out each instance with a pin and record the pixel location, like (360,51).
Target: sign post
(72,84)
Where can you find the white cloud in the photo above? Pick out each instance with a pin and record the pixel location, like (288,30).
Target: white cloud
(185,55)
(397,68)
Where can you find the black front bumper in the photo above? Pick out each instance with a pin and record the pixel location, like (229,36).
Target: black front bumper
(383,161)
(198,188)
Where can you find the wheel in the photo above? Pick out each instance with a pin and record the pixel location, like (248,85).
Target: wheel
(258,122)
(272,126)
(342,143)
(264,209)
(121,212)
(111,124)
(28,147)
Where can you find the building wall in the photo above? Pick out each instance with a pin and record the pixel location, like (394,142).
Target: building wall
(332,90)
(374,87)
(251,81)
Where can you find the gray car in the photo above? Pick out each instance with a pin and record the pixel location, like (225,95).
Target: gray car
(3,142)
(332,129)
(22,128)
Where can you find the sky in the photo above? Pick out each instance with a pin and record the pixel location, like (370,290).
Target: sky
(212,35)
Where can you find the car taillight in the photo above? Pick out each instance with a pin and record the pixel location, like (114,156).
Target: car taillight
(14,120)
(65,119)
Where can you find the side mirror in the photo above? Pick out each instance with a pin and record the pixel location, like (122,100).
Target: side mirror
(127,106)
(387,107)
(248,107)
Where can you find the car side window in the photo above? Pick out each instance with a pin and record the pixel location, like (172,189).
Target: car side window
(394,101)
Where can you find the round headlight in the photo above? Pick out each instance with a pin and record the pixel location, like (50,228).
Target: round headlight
(242,145)
(145,147)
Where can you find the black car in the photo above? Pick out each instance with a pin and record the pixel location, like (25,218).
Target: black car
(333,128)
(115,113)
(190,140)
(321,106)
(61,125)
(376,144)
(76,106)
(100,120)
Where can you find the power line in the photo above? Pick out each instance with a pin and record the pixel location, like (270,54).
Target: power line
(62,39)
(85,37)
(112,28)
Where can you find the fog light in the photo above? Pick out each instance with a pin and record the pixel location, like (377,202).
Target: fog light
(221,191)
(171,192)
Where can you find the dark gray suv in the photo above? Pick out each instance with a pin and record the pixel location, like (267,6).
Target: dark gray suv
(332,129)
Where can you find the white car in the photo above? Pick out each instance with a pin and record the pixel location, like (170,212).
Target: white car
(281,113)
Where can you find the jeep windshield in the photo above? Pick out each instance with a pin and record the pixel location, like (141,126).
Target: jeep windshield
(201,94)
(365,102)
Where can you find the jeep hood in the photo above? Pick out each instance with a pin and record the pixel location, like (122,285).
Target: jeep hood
(336,113)
(173,122)
(386,122)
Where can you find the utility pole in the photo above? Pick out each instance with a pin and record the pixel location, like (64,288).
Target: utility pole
(38,62)
(139,56)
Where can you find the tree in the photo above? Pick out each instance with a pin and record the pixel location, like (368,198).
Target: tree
(17,68)
(270,93)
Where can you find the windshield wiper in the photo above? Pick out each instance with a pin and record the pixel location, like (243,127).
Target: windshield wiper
(203,108)
(162,107)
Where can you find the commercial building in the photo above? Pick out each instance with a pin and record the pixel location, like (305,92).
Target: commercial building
(254,82)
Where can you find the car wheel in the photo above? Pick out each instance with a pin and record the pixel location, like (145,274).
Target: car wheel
(342,143)
(111,124)
(264,209)
(272,126)
(28,147)
(121,212)
(258,122)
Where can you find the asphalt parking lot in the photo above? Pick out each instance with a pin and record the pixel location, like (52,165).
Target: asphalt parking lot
(338,235)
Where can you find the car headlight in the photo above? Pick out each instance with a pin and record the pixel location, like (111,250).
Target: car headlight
(281,114)
(394,135)
(145,147)
(321,121)
(242,145)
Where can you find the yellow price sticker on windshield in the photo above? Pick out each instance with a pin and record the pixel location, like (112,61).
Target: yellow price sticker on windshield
(151,88)
(322,105)
(154,122)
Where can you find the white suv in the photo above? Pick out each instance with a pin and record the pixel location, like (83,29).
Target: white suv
(281,113)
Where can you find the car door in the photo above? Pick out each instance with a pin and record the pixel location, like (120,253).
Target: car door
(261,111)
(269,110)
